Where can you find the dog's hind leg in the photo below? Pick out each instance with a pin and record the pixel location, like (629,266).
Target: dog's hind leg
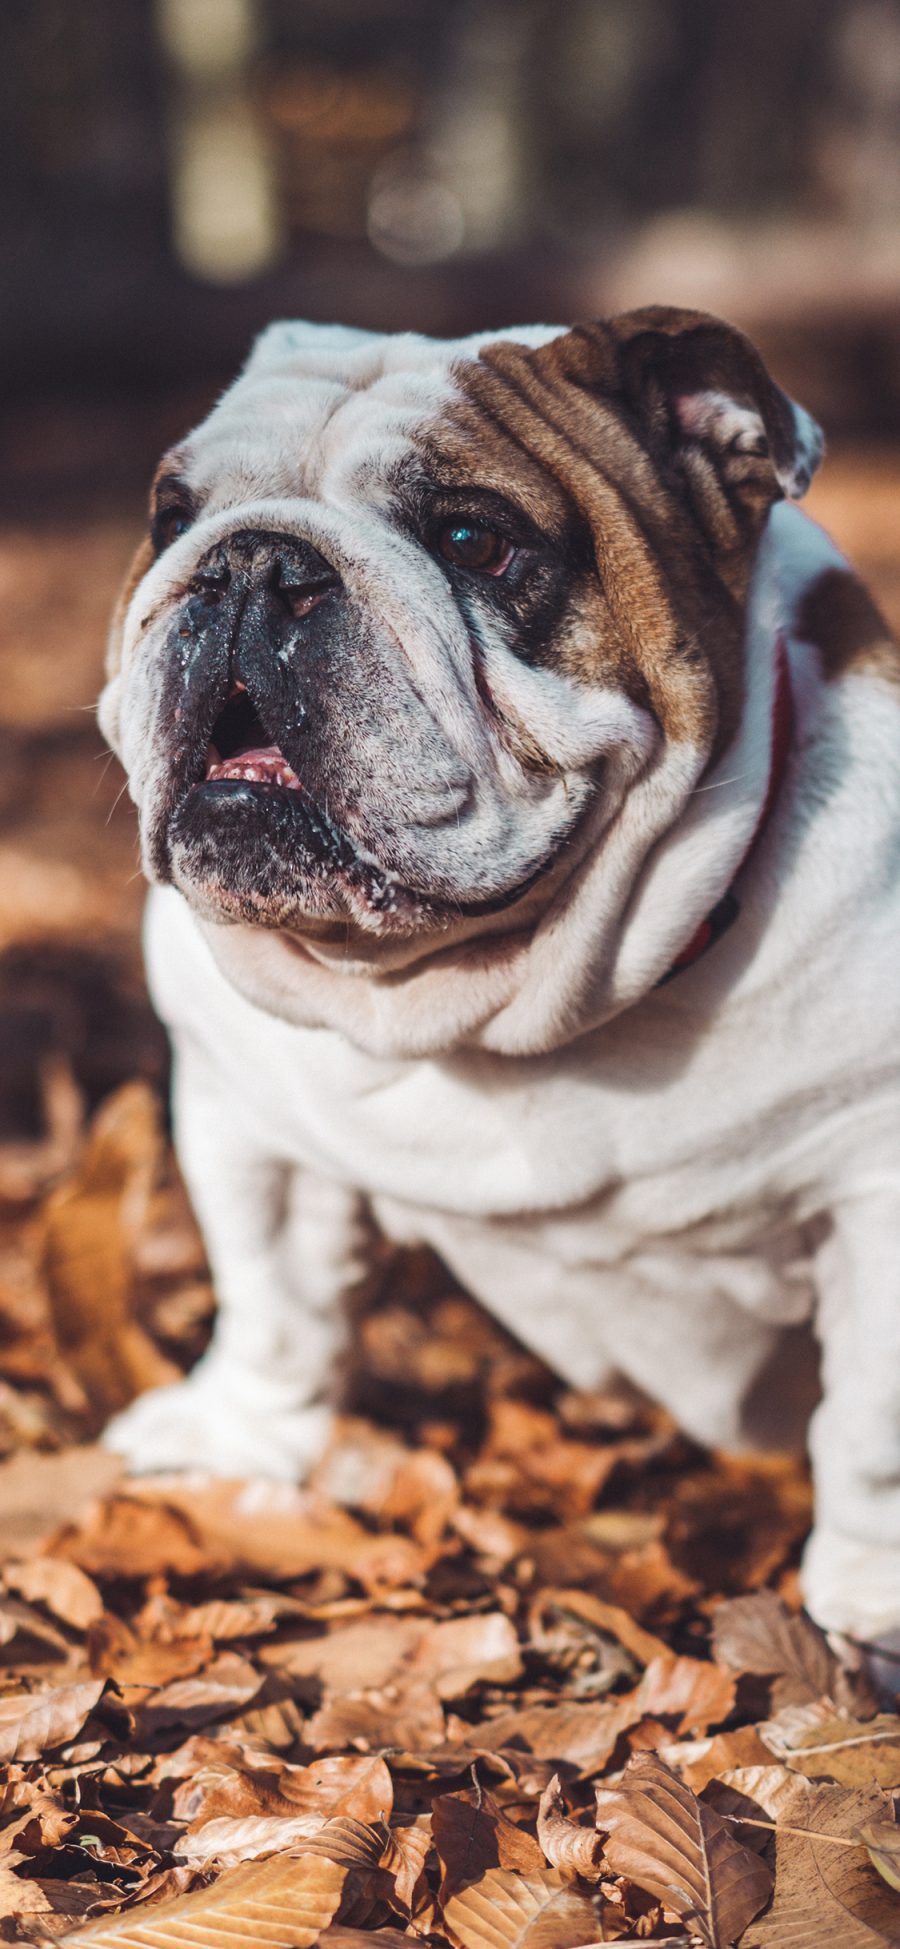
(851,1568)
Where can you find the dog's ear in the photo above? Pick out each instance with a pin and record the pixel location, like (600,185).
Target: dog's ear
(697,383)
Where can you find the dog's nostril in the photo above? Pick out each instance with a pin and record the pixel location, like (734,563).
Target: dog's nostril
(211,579)
(300,593)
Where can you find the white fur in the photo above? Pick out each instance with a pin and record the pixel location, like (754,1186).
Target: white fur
(652,1180)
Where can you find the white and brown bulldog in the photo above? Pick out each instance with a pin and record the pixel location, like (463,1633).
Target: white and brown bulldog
(520,773)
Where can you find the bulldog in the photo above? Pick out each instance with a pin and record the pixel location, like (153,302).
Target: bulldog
(518,772)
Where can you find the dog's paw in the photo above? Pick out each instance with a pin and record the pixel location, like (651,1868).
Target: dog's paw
(213,1423)
(853,1587)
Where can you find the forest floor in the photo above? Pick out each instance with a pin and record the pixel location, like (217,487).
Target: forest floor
(521,1667)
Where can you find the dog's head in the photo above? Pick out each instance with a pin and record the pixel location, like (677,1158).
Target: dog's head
(414,617)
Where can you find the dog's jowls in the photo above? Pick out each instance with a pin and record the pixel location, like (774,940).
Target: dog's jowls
(466,692)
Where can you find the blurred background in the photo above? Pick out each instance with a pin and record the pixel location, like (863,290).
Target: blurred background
(174,173)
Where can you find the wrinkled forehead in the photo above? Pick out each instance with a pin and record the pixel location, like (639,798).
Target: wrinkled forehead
(322,410)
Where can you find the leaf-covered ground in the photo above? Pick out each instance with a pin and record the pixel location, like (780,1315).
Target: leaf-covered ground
(520,1669)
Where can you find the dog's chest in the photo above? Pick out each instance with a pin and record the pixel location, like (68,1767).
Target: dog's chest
(656,1128)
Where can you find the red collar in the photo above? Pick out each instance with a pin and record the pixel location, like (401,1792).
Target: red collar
(726,910)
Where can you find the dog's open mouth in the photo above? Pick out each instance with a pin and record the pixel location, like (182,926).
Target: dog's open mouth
(240,747)
(246,776)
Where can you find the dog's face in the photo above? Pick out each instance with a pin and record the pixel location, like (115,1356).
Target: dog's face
(414,617)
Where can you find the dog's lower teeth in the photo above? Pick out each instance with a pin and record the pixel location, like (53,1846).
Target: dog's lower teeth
(266,768)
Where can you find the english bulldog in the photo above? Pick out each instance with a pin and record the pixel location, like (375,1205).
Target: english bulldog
(518,772)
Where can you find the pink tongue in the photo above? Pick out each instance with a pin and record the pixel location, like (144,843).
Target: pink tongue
(265,765)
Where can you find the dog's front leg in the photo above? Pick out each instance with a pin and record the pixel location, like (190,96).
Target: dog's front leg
(851,1568)
(285,1246)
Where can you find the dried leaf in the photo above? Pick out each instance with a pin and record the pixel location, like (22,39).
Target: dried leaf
(881,1839)
(225,1685)
(669,1842)
(223,1619)
(35,1723)
(504,1910)
(366,1468)
(370,1652)
(611,1619)
(759,1634)
(408,1716)
(854,1752)
(228,1841)
(700,1760)
(574,1850)
(62,1587)
(37,1492)
(274,1531)
(404,1858)
(285,1903)
(826,1891)
(466,1651)
(584,1736)
(700,1694)
(90,1230)
(471,1834)
(131,1536)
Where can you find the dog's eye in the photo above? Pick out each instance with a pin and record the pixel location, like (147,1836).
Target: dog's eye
(170,521)
(468,544)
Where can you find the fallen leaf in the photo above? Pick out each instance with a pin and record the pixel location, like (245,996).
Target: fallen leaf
(222,1619)
(62,1587)
(32,1724)
(759,1634)
(114,1651)
(700,1760)
(370,1652)
(755,1796)
(38,1492)
(881,1839)
(825,1887)
(466,1651)
(405,1857)
(228,1682)
(699,1693)
(286,1903)
(276,1531)
(228,1840)
(504,1910)
(471,1834)
(408,1716)
(131,1536)
(681,1851)
(573,1849)
(854,1752)
(584,1736)
(91,1224)
(366,1468)
(612,1619)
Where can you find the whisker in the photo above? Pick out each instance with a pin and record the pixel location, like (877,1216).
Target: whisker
(119,795)
(98,782)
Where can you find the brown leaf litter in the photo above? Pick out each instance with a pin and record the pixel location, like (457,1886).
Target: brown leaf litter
(520,1668)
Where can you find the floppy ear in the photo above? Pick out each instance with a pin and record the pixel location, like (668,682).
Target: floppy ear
(699,384)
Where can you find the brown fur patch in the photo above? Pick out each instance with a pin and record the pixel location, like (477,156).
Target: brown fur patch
(658,618)
(142,560)
(838,615)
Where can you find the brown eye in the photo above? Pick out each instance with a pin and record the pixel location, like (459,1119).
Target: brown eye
(466,544)
(169,522)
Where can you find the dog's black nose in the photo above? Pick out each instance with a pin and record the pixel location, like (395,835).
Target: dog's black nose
(254,560)
(251,595)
